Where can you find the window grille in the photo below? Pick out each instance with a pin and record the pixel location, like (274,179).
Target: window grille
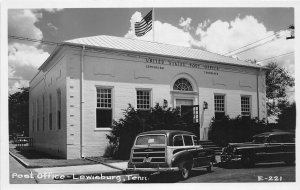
(245,106)
(143,99)
(182,85)
(104,107)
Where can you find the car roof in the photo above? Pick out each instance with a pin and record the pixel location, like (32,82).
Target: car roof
(274,133)
(167,132)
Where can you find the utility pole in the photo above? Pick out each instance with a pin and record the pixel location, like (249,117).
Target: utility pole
(292,29)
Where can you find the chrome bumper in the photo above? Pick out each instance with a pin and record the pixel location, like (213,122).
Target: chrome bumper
(150,170)
(230,157)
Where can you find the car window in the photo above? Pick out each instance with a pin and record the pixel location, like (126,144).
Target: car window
(259,139)
(288,139)
(275,139)
(178,141)
(188,140)
(151,139)
(195,139)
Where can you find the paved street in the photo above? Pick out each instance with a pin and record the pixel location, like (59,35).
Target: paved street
(260,173)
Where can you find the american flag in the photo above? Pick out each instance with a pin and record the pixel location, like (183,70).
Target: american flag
(145,25)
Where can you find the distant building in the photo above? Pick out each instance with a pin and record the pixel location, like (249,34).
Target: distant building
(86,83)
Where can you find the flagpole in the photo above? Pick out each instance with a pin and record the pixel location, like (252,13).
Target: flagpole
(153,23)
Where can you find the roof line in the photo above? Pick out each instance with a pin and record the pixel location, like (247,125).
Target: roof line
(163,55)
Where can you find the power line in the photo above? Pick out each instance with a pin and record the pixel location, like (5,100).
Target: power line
(34,40)
(255,41)
(253,47)
(275,56)
(56,43)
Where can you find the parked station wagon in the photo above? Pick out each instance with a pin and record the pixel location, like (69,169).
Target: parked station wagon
(265,147)
(168,151)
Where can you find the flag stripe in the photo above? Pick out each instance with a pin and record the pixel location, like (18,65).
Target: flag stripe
(141,28)
(137,31)
(142,33)
(144,27)
(141,24)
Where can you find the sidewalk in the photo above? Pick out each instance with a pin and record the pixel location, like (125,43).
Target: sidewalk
(45,167)
(71,172)
(33,159)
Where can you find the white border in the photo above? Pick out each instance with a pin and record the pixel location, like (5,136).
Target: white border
(6,4)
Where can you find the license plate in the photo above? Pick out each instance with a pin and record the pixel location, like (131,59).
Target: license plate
(147,159)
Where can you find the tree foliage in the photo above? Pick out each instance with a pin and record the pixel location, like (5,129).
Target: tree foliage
(287,118)
(18,112)
(277,81)
(235,130)
(135,121)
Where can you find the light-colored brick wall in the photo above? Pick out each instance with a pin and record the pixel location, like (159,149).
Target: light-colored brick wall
(126,74)
(46,83)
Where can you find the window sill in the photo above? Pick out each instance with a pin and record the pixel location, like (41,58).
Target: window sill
(103,129)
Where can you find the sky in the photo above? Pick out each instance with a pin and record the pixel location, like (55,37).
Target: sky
(218,30)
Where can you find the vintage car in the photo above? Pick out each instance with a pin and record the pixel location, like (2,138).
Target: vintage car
(168,151)
(265,147)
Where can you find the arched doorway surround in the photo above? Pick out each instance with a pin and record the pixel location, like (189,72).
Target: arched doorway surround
(184,90)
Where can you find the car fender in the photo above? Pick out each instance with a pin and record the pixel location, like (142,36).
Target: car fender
(182,156)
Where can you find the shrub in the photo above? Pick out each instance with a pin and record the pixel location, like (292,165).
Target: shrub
(239,129)
(109,151)
(125,130)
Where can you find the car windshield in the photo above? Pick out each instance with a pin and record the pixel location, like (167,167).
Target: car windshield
(259,139)
(151,140)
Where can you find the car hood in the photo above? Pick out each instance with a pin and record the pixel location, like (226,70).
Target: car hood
(246,144)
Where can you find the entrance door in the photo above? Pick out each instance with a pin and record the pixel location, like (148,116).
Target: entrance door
(190,114)
(186,108)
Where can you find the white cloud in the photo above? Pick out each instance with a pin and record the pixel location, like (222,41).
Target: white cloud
(223,37)
(53,10)
(24,60)
(185,24)
(22,23)
(24,57)
(52,27)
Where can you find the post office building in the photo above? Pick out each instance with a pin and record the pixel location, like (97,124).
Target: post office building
(86,83)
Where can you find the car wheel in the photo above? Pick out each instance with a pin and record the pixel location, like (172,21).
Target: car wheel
(185,171)
(247,161)
(209,168)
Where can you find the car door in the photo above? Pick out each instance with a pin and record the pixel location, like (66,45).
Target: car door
(199,154)
(275,148)
(289,147)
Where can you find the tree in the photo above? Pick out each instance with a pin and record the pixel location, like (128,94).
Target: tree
(277,81)
(287,118)
(18,112)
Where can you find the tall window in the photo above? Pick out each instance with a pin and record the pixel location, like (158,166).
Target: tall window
(104,107)
(43,112)
(143,99)
(219,106)
(50,112)
(58,109)
(182,84)
(245,106)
